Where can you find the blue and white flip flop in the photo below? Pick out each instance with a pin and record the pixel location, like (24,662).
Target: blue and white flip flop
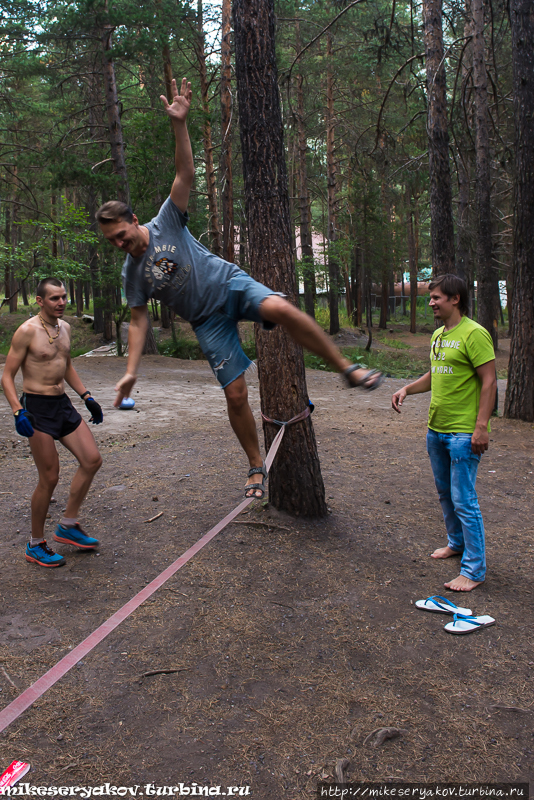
(440,605)
(467,624)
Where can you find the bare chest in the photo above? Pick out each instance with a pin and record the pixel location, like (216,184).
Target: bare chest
(48,348)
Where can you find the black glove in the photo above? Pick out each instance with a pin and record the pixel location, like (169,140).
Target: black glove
(24,422)
(96,412)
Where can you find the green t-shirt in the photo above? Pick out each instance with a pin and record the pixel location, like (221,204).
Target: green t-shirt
(454,357)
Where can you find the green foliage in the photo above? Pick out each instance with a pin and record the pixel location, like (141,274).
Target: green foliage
(396,365)
(391,342)
(181,347)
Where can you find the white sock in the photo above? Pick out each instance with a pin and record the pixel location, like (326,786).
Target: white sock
(35,542)
(67,522)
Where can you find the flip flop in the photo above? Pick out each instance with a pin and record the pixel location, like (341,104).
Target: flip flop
(369,381)
(440,605)
(467,624)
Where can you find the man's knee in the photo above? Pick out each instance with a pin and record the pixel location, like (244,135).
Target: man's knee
(236,394)
(92,463)
(277,309)
(49,477)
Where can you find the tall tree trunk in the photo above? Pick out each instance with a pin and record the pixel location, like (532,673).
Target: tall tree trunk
(167,71)
(463,171)
(306,245)
(211,184)
(8,259)
(331,170)
(15,232)
(519,403)
(296,484)
(225,163)
(442,228)
(487,277)
(95,123)
(411,259)
(463,260)
(24,292)
(79,298)
(385,251)
(116,141)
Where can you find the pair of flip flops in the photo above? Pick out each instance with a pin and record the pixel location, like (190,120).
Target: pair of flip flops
(463,619)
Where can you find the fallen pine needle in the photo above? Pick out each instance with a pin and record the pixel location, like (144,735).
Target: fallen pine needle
(382,734)
(156,517)
(14,685)
(341,768)
(169,671)
(266,524)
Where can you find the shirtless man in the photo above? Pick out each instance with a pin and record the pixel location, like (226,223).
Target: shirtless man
(164,261)
(41,349)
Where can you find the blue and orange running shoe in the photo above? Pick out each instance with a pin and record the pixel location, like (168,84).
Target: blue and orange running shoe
(41,554)
(75,536)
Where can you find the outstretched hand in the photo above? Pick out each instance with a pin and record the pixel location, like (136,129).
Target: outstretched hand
(398,399)
(124,388)
(178,109)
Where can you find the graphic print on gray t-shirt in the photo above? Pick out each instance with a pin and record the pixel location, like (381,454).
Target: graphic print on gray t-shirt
(177,270)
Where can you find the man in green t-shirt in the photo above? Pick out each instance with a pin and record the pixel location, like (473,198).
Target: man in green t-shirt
(463,384)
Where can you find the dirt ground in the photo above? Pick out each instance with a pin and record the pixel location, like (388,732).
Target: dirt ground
(293,639)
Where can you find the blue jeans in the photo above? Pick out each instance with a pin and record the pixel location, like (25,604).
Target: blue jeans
(455,472)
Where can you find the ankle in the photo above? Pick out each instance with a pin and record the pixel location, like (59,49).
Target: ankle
(35,541)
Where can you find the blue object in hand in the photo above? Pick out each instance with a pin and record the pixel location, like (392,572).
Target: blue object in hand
(24,422)
(96,411)
(127,402)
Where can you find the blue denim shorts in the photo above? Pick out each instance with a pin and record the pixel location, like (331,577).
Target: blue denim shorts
(218,336)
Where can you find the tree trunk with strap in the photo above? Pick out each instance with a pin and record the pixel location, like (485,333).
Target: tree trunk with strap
(295,484)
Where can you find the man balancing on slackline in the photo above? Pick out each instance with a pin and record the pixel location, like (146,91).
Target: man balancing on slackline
(165,262)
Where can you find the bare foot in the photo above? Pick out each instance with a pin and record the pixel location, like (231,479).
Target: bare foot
(462,584)
(444,552)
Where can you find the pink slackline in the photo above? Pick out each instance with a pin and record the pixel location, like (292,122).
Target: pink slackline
(11,712)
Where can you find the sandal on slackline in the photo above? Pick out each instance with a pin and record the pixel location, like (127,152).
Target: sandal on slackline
(256,487)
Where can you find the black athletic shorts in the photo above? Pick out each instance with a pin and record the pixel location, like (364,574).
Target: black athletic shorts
(53,414)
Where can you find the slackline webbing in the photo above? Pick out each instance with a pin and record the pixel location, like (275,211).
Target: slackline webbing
(12,711)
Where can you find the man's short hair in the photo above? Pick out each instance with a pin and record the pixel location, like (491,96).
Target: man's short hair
(451,285)
(113,211)
(45,283)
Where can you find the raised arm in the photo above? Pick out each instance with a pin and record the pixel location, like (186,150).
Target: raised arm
(136,342)
(178,110)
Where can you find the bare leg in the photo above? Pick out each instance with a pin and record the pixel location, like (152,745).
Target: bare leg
(444,552)
(82,445)
(243,424)
(46,460)
(304,330)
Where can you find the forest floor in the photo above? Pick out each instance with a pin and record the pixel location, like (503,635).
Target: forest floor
(293,639)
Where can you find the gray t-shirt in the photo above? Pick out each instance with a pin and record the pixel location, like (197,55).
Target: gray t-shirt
(177,270)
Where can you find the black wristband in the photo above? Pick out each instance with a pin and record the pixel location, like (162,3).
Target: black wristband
(85,394)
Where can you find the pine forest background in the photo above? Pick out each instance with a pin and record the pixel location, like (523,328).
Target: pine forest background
(397,115)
